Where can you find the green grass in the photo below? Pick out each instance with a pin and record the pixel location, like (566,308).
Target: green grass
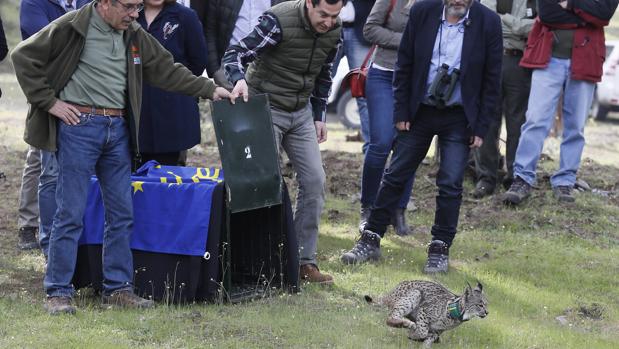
(536,263)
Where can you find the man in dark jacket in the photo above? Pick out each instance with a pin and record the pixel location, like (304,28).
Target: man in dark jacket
(291,52)
(446,83)
(566,49)
(224,18)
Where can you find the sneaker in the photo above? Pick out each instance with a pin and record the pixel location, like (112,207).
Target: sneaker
(366,248)
(399,222)
(438,257)
(518,191)
(311,273)
(127,299)
(365,215)
(483,189)
(59,305)
(563,193)
(27,238)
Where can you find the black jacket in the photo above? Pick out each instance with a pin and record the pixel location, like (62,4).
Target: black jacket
(482,52)
(362,11)
(4,49)
(200,6)
(220,21)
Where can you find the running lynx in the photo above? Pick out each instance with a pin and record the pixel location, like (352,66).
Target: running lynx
(427,308)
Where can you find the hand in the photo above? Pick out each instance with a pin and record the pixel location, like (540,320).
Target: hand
(65,112)
(321,131)
(475,142)
(563,4)
(240,89)
(403,126)
(220,93)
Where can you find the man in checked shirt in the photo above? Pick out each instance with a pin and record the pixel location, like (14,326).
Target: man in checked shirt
(290,53)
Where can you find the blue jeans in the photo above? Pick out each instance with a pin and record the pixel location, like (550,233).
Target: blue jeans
(379,97)
(355,52)
(47,197)
(451,127)
(546,87)
(98,144)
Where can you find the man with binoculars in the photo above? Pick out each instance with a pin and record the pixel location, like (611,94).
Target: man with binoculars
(446,83)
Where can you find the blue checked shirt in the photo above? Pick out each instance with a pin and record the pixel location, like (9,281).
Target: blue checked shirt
(266,34)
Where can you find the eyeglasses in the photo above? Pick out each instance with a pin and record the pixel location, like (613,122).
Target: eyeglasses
(132,8)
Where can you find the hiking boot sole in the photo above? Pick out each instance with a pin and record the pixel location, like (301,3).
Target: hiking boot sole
(512,199)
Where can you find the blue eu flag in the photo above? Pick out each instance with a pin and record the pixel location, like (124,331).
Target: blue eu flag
(171,208)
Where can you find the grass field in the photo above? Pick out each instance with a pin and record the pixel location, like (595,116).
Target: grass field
(550,271)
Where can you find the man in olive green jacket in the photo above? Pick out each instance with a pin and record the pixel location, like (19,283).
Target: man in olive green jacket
(290,55)
(82,76)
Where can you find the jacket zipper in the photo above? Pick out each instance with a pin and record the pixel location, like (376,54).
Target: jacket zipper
(307,70)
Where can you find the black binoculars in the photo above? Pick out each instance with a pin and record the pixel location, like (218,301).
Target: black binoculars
(443,85)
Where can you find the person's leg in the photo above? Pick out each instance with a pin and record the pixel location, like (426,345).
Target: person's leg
(169,159)
(453,138)
(47,197)
(355,54)
(382,135)
(79,147)
(546,87)
(576,103)
(28,210)
(114,174)
(516,87)
(487,160)
(301,145)
(453,141)
(409,150)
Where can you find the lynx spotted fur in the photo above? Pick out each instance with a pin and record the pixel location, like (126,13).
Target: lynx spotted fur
(427,308)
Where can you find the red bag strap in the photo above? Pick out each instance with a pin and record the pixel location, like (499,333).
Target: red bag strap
(371,50)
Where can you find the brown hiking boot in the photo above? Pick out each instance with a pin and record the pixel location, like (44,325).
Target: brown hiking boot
(310,273)
(127,299)
(59,305)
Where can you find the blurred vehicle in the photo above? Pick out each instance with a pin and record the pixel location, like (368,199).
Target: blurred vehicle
(341,103)
(606,97)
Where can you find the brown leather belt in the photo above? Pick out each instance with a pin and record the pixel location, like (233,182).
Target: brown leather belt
(512,52)
(99,111)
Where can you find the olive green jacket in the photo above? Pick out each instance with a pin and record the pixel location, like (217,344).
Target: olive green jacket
(289,71)
(45,62)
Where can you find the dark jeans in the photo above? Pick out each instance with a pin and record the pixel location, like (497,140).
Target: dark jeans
(379,96)
(515,86)
(450,125)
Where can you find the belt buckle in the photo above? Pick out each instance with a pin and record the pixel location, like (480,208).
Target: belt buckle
(105,112)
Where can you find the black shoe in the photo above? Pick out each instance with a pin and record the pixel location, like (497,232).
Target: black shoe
(518,191)
(563,193)
(365,215)
(399,222)
(438,257)
(28,238)
(366,248)
(483,189)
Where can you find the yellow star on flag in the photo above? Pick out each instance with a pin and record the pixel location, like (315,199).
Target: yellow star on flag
(137,186)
